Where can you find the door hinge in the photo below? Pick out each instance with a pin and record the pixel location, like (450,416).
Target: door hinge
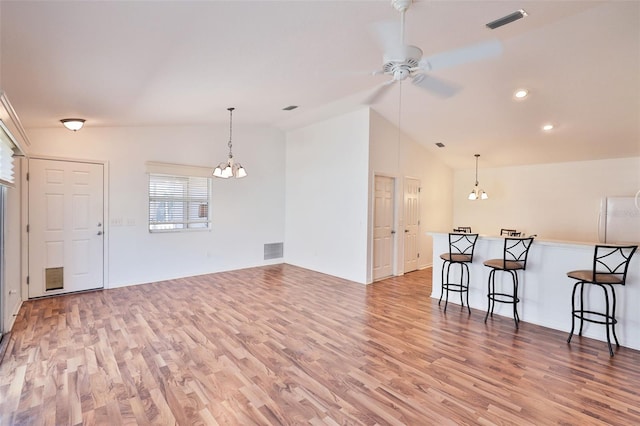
(418,222)
(27,175)
(27,228)
(418,256)
(419,189)
(27,279)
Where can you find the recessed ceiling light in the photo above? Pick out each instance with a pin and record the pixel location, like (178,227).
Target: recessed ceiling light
(521,93)
(547,127)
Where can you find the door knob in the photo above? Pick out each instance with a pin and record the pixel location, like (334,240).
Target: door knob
(99,232)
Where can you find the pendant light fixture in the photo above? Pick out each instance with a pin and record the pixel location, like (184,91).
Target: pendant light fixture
(230,168)
(477,193)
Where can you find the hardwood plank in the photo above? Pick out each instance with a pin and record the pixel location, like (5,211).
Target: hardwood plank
(285,345)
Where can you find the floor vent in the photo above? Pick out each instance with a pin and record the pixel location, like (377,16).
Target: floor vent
(273,251)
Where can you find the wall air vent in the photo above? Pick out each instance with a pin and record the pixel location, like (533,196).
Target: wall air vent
(273,251)
(507,19)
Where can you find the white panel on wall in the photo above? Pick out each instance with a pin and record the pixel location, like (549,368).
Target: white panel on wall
(326,196)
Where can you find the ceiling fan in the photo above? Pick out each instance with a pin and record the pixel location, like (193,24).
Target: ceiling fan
(402,61)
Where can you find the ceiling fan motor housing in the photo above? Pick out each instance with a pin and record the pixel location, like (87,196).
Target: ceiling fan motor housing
(400,63)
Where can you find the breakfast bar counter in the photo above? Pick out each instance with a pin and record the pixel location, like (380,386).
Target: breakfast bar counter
(545,290)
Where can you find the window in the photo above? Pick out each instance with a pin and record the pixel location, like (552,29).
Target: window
(179,203)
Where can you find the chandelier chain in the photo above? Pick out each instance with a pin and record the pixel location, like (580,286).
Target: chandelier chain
(230,130)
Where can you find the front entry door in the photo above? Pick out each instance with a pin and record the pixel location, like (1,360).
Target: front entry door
(383,228)
(411,223)
(66,226)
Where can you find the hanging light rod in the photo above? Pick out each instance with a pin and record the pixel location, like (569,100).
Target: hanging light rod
(230,168)
(477,193)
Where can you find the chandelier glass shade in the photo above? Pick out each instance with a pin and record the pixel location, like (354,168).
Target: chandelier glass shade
(477,193)
(230,168)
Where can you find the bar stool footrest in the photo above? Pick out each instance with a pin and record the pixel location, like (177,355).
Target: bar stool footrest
(503,298)
(607,319)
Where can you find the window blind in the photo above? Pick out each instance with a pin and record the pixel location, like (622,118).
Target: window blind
(178,202)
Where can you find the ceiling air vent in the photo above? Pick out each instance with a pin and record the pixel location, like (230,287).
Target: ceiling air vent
(507,19)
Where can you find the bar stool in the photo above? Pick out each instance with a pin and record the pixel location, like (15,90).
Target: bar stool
(610,264)
(514,259)
(461,247)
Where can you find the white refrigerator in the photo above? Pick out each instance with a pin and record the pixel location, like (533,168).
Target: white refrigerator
(619,221)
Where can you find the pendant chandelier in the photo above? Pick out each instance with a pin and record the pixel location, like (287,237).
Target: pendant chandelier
(477,193)
(230,168)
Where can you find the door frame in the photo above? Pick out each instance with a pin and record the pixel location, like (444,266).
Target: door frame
(404,188)
(24,201)
(397,211)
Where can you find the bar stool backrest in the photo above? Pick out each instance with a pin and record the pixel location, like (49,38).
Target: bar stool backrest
(517,250)
(509,232)
(462,244)
(612,262)
(465,229)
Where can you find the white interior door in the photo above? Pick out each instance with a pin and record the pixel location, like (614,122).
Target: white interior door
(383,228)
(66,227)
(411,223)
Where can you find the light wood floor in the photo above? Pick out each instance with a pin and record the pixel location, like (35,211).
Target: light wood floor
(284,345)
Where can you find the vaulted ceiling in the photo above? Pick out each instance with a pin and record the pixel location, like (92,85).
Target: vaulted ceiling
(149,63)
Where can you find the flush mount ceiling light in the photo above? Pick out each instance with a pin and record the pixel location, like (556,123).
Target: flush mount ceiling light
(74,124)
(477,193)
(547,127)
(230,168)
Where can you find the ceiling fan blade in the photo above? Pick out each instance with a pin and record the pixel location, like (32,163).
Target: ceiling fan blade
(378,92)
(436,86)
(475,52)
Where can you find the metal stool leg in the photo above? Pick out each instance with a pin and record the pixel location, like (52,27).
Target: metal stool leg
(614,321)
(442,281)
(491,288)
(516,317)
(573,311)
(468,278)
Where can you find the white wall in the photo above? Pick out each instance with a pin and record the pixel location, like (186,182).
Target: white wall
(556,201)
(326,196)
(12,252)
(247,213)
(414,161)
